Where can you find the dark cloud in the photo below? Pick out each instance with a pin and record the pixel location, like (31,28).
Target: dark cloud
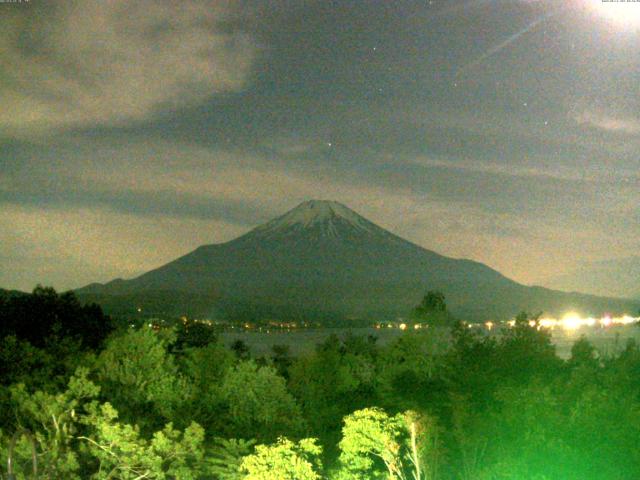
(72,63)
(148,204)
(133,118)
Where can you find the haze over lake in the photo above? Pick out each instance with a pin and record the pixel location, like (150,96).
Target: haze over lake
(608,341)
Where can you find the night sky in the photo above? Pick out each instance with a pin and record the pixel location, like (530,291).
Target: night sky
(132,132)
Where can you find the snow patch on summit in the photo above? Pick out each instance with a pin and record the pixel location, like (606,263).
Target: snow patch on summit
(318,212)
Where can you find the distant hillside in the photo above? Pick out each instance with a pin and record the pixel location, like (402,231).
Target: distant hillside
(10,293)
(323,260)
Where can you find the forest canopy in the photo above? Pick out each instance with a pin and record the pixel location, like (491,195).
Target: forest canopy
(110,401)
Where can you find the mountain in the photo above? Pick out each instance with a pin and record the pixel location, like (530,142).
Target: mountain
(322,260)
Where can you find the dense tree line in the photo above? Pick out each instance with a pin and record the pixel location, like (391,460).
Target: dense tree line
(136,403)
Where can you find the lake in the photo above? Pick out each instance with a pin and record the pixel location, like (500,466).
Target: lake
(608,341)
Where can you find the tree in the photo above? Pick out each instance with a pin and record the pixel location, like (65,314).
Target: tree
(337,380)
(241,349)
(21,362)
(45,313)
(433,309)
(77,437)
(525,351)
(527,432)
(424,449)
(204,369)
(470,368)
(123,454)
(257,403)
(226,457)
(140,377)
(284,460)
(194,334)
(433,301)
(282,360)
(406,370)
(371,440)
(583,354)
(55,422)
(376,445)
(468,437)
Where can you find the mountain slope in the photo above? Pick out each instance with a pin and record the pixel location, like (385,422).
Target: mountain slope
(325,259)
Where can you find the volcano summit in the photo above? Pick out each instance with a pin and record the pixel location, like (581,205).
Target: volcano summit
(322,260)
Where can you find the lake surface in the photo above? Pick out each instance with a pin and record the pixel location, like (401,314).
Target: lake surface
(608,341)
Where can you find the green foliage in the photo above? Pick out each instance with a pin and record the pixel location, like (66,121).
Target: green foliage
(45,313)
(433,309)
(204,370)
(123,454)
(284,460)
(472,407)
(371,445)
(339,379)
(468,436)
(194,334)
(282,359)
(433,301)
(241,349)
(583,353)
(226,457)
(424,445)
(406,370)
(45,336)
(258,404)
(76,435)
(525,351)
(526,427)
(603,426)
(55,422)
(377,445)
(140,377)
(20,362)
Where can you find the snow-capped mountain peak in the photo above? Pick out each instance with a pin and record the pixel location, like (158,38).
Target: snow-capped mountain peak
(322,260)
(325,214)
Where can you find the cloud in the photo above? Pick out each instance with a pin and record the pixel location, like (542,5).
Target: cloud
(91,211)
(76,197)
(72,63)
(608,122)
(610,276)
(504,169)
(71,247)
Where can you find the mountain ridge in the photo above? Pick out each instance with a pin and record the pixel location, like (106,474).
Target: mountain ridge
(324,258)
